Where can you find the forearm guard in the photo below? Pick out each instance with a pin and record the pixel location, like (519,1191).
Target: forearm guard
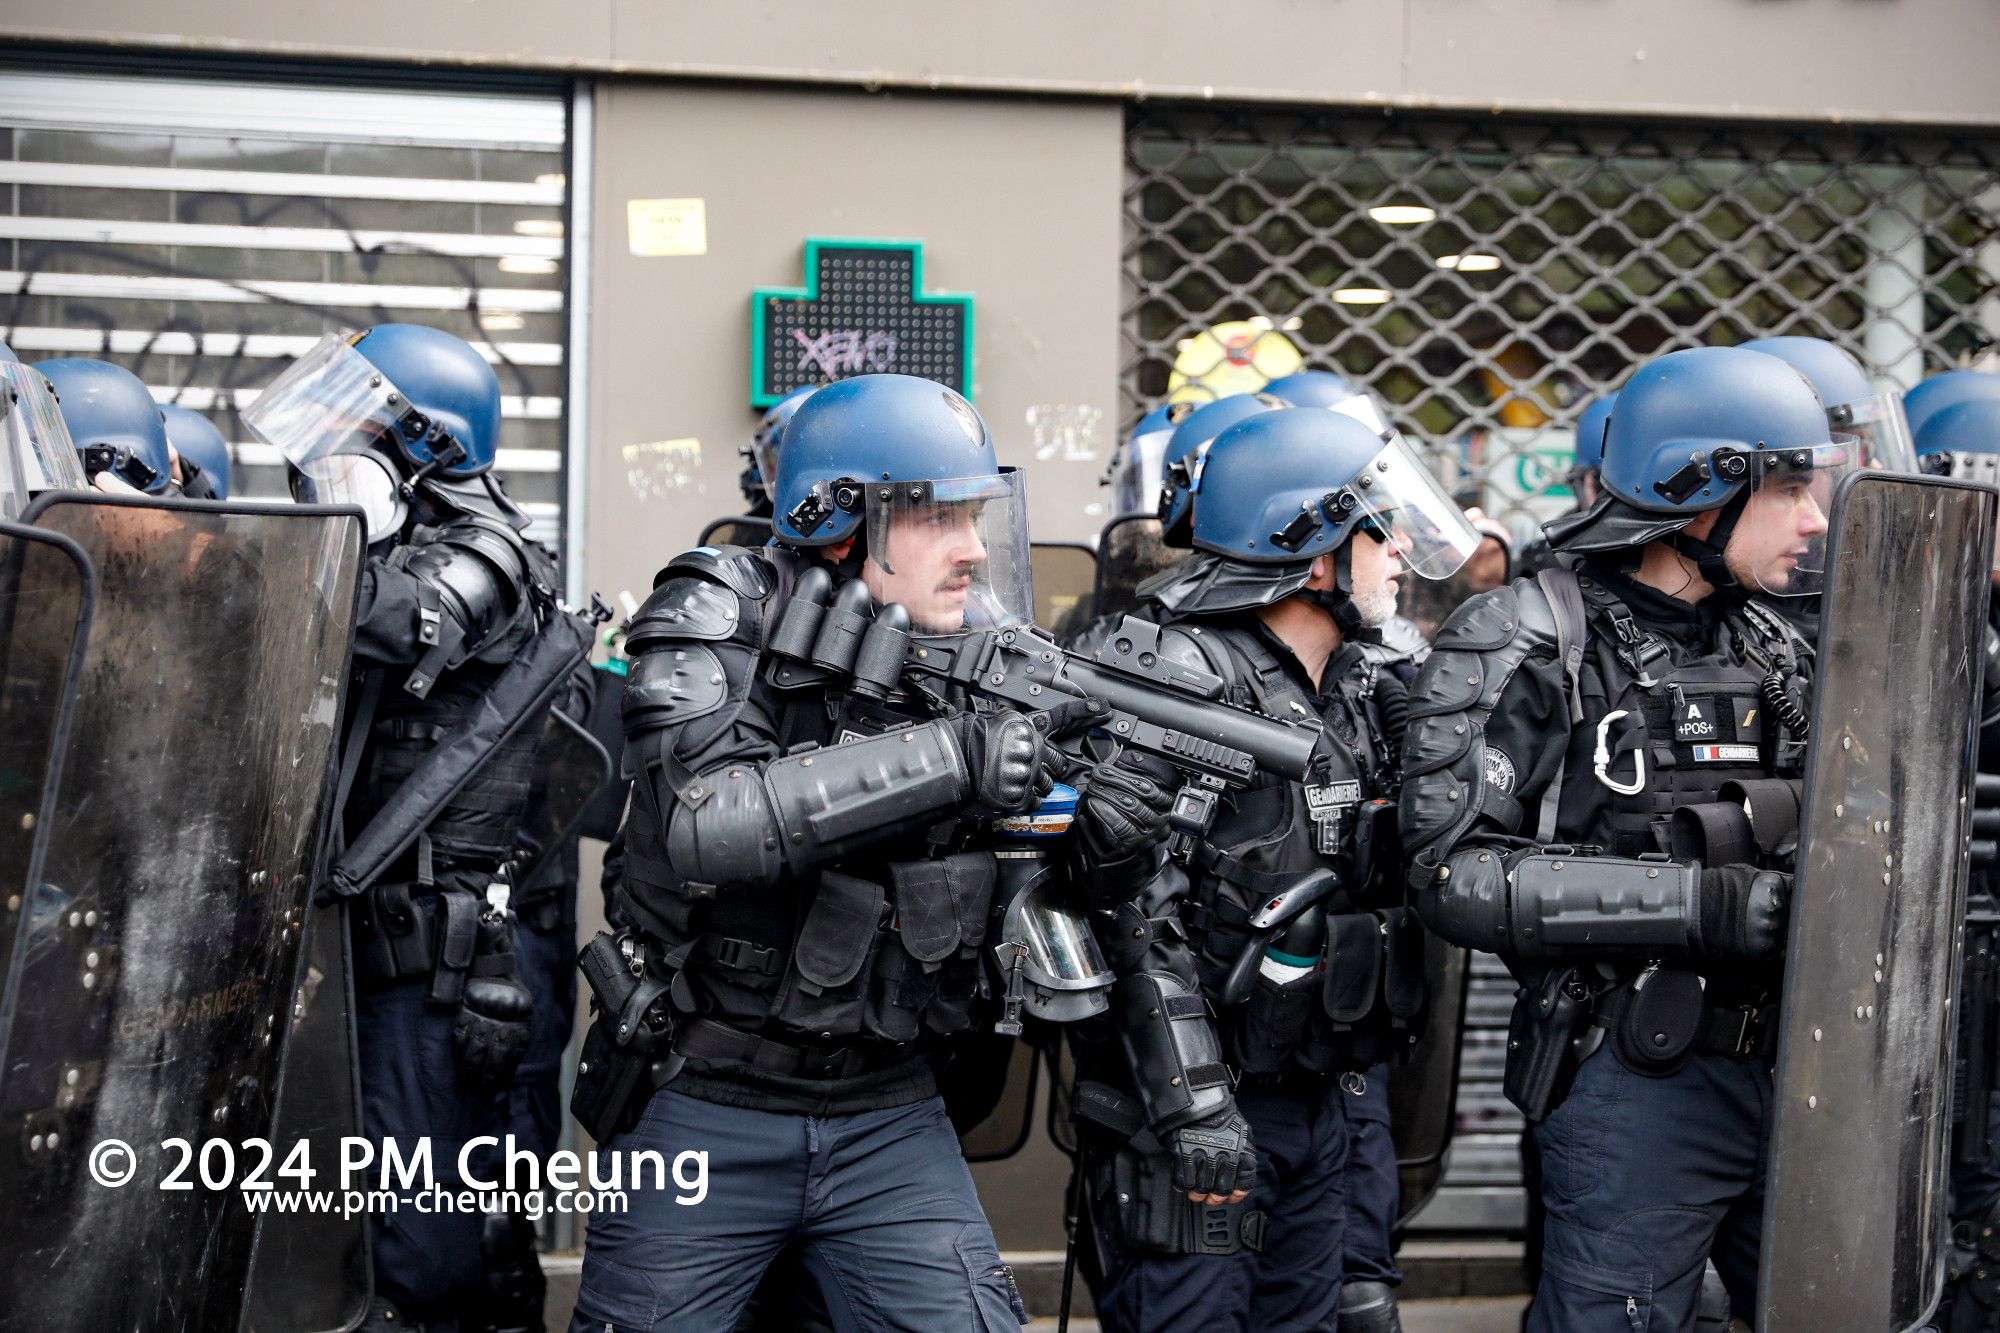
(1172,1048)
(747,823)
(1551,904)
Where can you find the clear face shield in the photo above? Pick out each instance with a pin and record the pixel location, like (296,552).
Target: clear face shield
(1401,501)
(1880,431)
(1779,543)
(333,401)
(1364,409)
(1137,480)
(36,452)
(953,553)
(363,480)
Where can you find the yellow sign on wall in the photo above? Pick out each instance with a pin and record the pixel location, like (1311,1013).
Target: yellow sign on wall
(660,227)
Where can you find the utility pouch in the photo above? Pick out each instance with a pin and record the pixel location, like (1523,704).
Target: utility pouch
(1353,966)
(1655,1020)
(1541,1039)
(1404,987)
(826,988)
(612,1084)
(1275,1019)
(392,935)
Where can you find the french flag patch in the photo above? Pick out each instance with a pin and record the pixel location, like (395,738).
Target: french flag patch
(1725,754)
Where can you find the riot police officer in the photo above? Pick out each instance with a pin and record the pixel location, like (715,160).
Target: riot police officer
(36,452)
(1264,960)
(117,427)
(760,456)
(1572,739)
(807,873)
(1961,439)
(461,647)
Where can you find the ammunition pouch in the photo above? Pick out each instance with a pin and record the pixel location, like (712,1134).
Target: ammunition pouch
(1655,1021)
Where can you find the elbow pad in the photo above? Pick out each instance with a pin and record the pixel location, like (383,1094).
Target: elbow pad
(1172,1048)
(1614,907)
(747,823)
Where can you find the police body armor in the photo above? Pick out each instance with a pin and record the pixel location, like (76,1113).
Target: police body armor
(1674,757)
(760,952)
(1362,1006)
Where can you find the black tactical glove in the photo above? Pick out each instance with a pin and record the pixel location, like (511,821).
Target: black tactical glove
(1003,752)
(1742,912)
(1124,808)
(491,1034)
(1214,1155)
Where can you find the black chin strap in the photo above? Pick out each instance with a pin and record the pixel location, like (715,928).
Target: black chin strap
(1707,552)
(1338,601)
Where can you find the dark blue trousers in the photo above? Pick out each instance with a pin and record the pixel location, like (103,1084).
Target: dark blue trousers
(881,1202)
(1644,1178)
(1294,1283)
(426,1262)
(1374,1192)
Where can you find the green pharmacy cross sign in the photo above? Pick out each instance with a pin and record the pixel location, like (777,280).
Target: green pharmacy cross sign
(862,311)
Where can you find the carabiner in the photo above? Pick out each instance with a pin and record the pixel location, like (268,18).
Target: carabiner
(1600,760)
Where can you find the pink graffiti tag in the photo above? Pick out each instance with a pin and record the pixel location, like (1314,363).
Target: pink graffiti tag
(844,352)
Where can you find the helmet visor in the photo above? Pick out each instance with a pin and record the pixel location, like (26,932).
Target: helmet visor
(764,457)
(1364,409)
(363,480)
(36,453)
(1780,537)
(1398,493)
(1982,469)
(1881,432)
(1137,479)
(331,401)
(953,553)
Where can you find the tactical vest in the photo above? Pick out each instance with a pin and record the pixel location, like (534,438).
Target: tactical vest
(877,948)
(1704,731)
(1355,985)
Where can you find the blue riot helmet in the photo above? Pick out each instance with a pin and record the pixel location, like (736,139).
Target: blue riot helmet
(905,468)
(1181,462)
(195,438)
(1136,473)
(1944,390)
(1963,441)
(113,421)
(1590,438)
(365,418)
(1714,429)
(761,453)
(36,452)
(1279,489)
(1336,393)
(1853,407)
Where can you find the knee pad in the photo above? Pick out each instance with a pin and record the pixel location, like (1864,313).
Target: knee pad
(1369,1307)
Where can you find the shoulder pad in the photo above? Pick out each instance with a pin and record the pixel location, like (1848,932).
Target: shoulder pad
(1192,646)
(1398,641)
(683,608)
(495,543)
(744,571)
(672,685)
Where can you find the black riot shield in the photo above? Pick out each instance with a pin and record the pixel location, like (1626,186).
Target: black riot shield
(1064,573)
(571,768)
(45,602)
(312,1272)
(741,530)
(1854,1210)
(156,968)
(1423,1093)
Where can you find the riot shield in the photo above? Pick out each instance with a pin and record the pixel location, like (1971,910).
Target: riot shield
(991,1083)
(1854,1207)
(571,768)
(1423,1093)
(1064,573)
(45,601)
(157,964)
(741,530)
(312,1271)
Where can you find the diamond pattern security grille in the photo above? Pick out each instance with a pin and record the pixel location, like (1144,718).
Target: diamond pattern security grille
(1550,259)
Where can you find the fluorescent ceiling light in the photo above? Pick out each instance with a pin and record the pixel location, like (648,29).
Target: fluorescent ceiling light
(1361,296)
(528,264)
(500,321)
(1402,215)
(553,180)
(1469,263)
(538,227)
